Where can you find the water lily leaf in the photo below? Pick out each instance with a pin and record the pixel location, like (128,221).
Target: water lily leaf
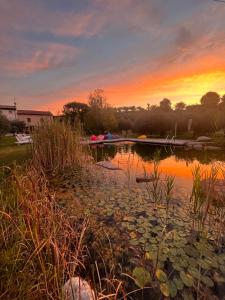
(212,262)
(187,279)
(151,255)
(194,273)
(134,242)
(141,276)
(141,230)
(172,289)
(207,281)
(183,262)
(179,283)
(187,295)
(191,251)
(161,276)
(177,267)
(192,262)
(203,264)
(164,288)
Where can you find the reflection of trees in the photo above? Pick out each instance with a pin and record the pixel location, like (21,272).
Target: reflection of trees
(103,152)
(149,152)
(204,157)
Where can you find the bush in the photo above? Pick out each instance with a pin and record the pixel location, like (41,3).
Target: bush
(4,125)
(17,126)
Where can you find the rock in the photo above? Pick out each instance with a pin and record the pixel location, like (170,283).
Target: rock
(77,288)
(203,139)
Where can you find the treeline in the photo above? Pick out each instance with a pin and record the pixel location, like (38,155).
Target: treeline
(97,116)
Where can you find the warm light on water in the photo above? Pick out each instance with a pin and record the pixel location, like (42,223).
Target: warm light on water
(176,162)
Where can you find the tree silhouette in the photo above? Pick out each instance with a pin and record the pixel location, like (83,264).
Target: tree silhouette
(180,106)
(210,99)
(73,110)
(165,104)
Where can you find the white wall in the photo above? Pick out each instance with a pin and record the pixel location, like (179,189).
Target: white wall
(34,119)
(9,114)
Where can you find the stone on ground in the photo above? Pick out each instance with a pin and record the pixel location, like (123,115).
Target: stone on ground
(77,289)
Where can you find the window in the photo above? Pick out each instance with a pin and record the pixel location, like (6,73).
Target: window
(28,120)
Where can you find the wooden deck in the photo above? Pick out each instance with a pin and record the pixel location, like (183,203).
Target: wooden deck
(163,142)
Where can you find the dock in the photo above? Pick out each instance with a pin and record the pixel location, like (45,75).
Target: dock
(161,142)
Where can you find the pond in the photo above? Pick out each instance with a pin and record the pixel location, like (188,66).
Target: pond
(175,248)
(174,161)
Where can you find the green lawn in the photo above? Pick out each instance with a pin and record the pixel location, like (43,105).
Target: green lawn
(10,151)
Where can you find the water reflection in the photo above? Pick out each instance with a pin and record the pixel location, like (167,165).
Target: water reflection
(175,162)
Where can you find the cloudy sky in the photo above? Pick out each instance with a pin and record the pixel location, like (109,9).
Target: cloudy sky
(138,51)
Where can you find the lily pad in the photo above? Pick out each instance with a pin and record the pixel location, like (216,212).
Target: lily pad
(161,276)
(187,295)
(203,264)
(191,251)
(165,290)
(207,281)
(179,283)
(187,279)
(194,273)
(172,289)
(141,276)
(177,267)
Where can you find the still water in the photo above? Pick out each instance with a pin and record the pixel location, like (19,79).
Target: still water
(176,162)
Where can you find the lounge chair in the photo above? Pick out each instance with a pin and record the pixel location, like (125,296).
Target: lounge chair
(22,139)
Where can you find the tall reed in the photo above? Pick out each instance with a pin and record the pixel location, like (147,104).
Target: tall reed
(40,246)
(56,146)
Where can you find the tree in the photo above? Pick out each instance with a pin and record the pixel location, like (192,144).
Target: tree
(17,126)
(4,125)
(101,116)
(165,105)
(210,99)
(97,99)
(74,110)
(180,106)
(222,103)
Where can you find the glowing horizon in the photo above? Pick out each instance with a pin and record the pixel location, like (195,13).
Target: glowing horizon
(138,53)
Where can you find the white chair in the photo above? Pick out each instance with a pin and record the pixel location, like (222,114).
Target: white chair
(23,139)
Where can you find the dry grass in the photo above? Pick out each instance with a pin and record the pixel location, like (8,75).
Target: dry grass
(40,246)
(56,146)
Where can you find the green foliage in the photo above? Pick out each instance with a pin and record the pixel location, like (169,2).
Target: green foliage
(75,111)
(4,125)
(141,276)
(100,117)
(161,276)
(17,126)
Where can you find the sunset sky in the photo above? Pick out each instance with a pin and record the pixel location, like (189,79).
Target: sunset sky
(138,51)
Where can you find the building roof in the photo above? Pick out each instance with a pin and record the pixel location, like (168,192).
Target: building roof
(34,112)
(8,107)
